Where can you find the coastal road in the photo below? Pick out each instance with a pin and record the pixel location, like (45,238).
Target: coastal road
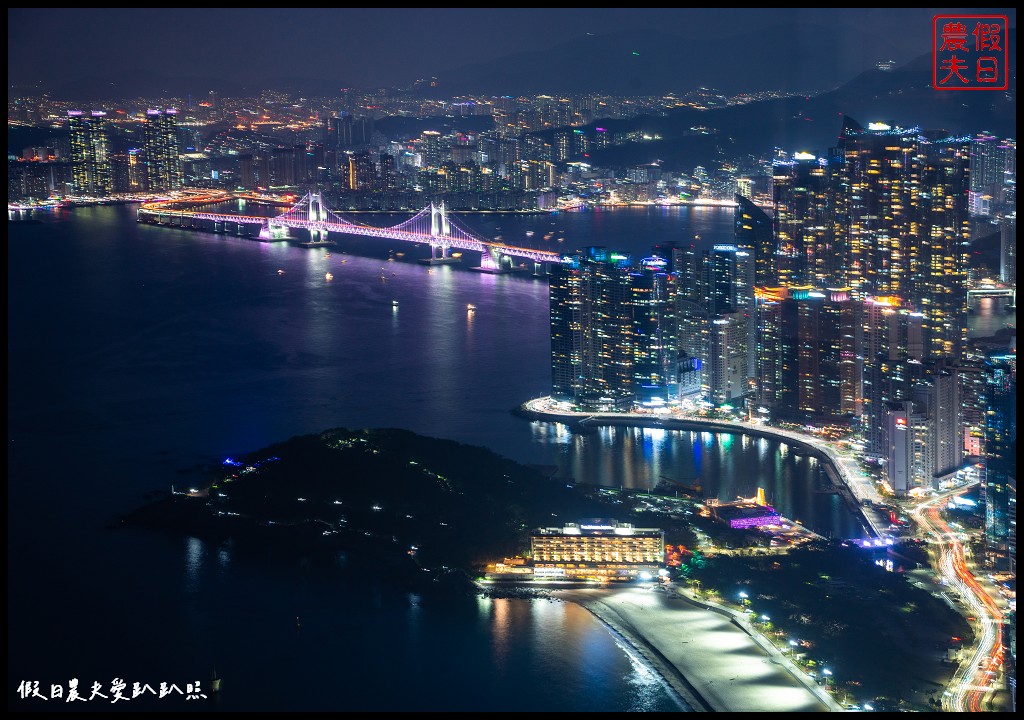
(703,653)
(979,676)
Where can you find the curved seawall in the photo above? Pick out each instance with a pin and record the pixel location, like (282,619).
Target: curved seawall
(852,492)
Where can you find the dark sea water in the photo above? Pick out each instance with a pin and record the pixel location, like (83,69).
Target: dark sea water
(138,354)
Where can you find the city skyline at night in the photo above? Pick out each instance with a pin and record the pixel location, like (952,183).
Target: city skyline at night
(536,360)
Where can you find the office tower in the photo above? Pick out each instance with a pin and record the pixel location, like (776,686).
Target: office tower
(163,165)
(592,331)
(90,152)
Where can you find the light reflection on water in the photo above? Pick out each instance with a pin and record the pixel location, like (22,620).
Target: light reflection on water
(149,351)
(723,465)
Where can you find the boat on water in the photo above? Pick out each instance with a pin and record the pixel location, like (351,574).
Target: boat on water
(328,276)
(470,307)
(280,272)
(394,303)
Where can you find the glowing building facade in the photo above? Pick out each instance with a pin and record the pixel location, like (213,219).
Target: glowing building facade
(163,164)
(91,170)
(594,549)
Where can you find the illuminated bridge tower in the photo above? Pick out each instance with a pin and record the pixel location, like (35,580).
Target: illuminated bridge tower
(440,231)
(318,216)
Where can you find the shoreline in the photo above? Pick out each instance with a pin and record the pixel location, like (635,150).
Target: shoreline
(701,652)
(853,492)
(658,663)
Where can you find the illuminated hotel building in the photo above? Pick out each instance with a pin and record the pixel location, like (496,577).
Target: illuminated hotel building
(593,549)
(163,165)
(90,153)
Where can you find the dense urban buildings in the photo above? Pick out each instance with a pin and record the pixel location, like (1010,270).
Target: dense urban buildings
(845,307)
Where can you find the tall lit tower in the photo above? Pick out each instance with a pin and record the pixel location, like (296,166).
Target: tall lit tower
(999,487)
(655,343)
(811,237)
(592,331)
(90,152)
(906,199)
(163,166)
(752,231)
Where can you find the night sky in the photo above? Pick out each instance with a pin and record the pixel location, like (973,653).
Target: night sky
(366,47)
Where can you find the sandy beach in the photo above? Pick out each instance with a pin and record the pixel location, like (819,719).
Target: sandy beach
(704,653)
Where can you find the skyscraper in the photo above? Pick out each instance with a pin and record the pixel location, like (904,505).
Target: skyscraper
(906,199)
(753,232)
(807,230)
(993,169)
(655,345)
(999,487)
(592,331)
(90,152)
(163,165)
(808,368)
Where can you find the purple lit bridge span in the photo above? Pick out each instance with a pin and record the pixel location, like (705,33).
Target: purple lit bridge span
(433,226)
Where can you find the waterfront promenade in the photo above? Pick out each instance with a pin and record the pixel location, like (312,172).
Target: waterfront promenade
(844,465)
(707,653)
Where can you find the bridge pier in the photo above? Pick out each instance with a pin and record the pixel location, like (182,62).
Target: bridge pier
(269,232)
(218,226)
(442,257)
(490,262)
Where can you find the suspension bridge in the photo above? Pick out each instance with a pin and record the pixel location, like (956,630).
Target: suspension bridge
(433,226)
